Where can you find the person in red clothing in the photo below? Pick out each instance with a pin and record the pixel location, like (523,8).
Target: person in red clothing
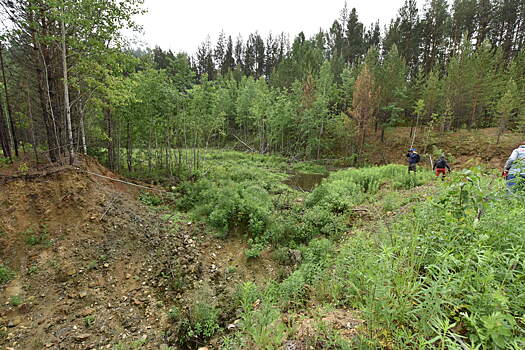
(441,166)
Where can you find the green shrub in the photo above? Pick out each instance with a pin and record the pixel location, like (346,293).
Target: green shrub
(195,325)
(5,274)
(150,199)
(37,238)
(450,269)
(16,300)
(235,205)
(255,249)
(309,168)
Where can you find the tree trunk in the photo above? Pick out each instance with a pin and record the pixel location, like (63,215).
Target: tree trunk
(4,138)
(32,124)
(9,112)
(110,142)
(82,131)
(67,107)
(40,65)
(321,130)
(472,123)
(129,148)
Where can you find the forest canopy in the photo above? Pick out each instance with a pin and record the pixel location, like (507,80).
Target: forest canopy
(71,84)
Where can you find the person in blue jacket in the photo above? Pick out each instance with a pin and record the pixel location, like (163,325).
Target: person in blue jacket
(413,158)
(514,170)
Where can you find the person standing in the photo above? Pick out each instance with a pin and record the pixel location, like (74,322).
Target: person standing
(413,158)
(514,169)
(441,166)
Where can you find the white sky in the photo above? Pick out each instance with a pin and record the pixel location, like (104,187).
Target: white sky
(181,25)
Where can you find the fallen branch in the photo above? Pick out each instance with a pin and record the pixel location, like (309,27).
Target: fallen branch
(357,210)
(244,143)
(121,181)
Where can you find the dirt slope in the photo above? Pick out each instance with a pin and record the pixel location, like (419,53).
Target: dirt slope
(467,147)
(96,269)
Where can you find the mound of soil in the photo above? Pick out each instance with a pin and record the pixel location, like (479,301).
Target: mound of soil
(96,268)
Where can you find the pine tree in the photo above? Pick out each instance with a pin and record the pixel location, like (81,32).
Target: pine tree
(228,63)
(355,47)
(507,107)
(435,30)
(220,52)
(410,35)
(239,54)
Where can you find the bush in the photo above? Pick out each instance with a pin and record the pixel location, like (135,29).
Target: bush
(442,272)
(5,274)
(150,199)
(195,325)
(235,205)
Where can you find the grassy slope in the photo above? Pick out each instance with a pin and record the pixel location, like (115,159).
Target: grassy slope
(443,274)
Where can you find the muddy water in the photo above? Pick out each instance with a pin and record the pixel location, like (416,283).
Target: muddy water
(304,182)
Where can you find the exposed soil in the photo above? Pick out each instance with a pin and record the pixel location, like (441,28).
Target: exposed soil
(96,268)
(468,147)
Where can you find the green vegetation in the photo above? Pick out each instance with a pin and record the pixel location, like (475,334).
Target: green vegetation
(155,114)
(137,344)
(248,197)
(16,300)
(446,274)
(5,274)
(39,238)
(89,321)
(193,325)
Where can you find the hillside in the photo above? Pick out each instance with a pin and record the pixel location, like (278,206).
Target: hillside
(94,267)
(257,252)
(466,148)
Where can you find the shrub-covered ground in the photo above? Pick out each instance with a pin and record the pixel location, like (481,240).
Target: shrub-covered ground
(419,264)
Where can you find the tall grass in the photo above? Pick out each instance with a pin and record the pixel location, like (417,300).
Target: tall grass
(448,275)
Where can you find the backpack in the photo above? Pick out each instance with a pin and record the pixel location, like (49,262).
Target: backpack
(441,163)
(414,158)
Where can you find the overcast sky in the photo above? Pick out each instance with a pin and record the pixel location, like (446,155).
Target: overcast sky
(181,25)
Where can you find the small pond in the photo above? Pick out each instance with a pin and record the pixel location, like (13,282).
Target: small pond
(304,182)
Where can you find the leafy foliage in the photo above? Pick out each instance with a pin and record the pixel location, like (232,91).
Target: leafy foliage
(5,274)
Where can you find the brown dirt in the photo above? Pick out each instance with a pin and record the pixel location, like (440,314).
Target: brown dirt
(102,269)
(469,148)
(310,329)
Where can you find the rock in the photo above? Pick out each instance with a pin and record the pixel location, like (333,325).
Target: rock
(14,322)
(82,294)
(296,256)
(87,312)
(82,337)
(203,348)
(71,272)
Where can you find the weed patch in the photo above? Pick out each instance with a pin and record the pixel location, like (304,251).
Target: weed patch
(5,274)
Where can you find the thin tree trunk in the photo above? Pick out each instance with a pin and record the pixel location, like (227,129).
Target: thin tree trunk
(129,147)
(4,138)
(31,125)
(67,107)
(48,81)
(9,112)
(319,142)
(414,134)
(110,142)
(83,131)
